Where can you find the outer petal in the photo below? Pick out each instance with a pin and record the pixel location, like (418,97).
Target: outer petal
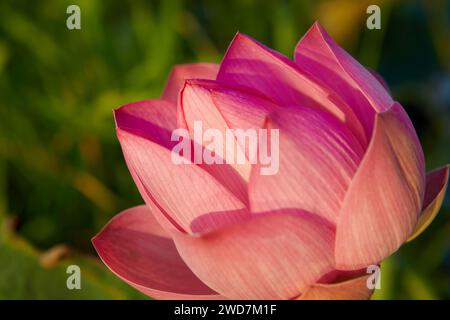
(353,289)
(151,119)
(380,79)
(436,185)
(182,72)
(318,158)
(182,191)
(319,55)
(273,256)
(137,250)
(385,197)
(154,121)
(248,63)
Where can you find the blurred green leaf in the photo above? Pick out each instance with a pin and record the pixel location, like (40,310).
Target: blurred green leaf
(22,276)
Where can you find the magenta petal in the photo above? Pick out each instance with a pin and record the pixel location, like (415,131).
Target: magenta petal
(248,63)
(273,256)
(175,187)
(182,72)
(137,250)
(318,54)
(318,158)
(385,197)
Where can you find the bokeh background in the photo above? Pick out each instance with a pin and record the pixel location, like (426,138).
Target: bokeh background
(62,175)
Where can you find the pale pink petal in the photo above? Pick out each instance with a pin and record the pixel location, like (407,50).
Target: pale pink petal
(165,219)
(241,109)
(436,185)
(182,191)
(137,250)
(155,120)
(151,119)
(248,63)
(272,256)
(385,197)
(353,289)
(317,54)
(318,158)
(177,77)
(182,72)
(198,107)
(221,108)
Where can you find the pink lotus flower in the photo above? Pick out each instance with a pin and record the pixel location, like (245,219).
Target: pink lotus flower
(350,190)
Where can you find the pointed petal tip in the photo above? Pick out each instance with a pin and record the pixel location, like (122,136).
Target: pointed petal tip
(316,27)
(118,114)
(240,35)
(180,72)
(200,83)
(436,186)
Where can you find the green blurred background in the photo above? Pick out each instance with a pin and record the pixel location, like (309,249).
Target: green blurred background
(62,175)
